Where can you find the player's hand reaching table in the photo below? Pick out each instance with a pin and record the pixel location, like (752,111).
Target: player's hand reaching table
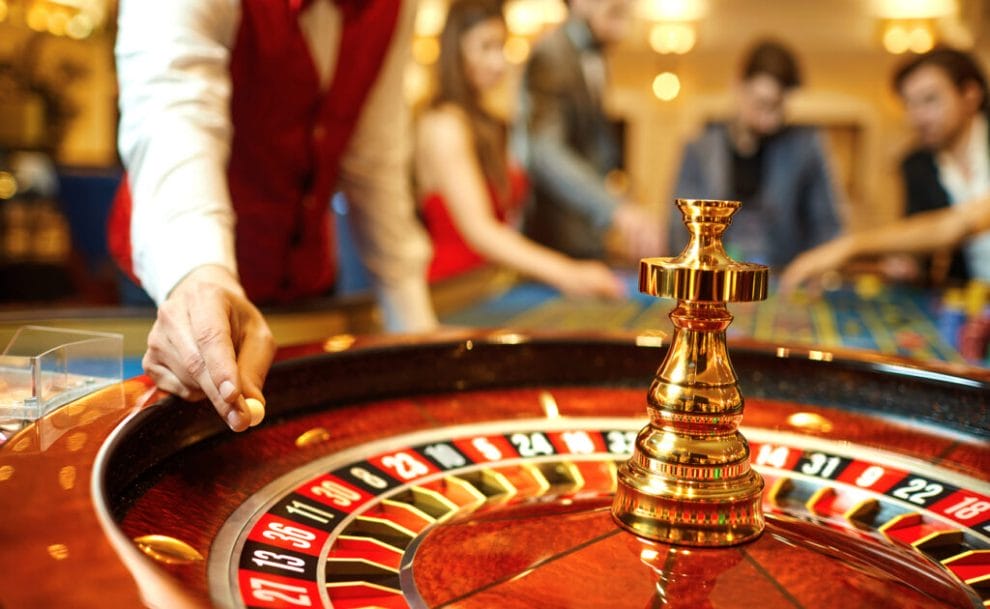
(591,278)
(210,340)
(811,265)
(638,231)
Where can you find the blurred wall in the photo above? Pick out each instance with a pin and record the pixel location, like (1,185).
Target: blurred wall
(847,90)
(82,72)
(847,75)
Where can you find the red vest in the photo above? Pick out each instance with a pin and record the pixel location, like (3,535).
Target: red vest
(452,255)
(287,144)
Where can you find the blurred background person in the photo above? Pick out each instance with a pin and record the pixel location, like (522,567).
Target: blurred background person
(779,172)
(470,190)
(571,145)
(945,98)
(946,178)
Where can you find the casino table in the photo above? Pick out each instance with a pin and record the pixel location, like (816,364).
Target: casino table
(475,469)
(538,459)
(894,319)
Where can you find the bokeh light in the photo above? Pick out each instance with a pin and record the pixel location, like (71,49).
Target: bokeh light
(80,26)
(676,38)
(426,50)
(666,86)
(921,40)
(896,39)
(523,18)
(516,50)
(430,18)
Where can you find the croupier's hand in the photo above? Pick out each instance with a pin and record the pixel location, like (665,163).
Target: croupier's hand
(209,340)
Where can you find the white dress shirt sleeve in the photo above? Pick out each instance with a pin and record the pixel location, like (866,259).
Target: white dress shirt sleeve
(174,138)
(374,175)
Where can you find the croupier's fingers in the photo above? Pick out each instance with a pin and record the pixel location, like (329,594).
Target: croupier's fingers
(238,419)
(210,320)
(168,381)
(254,359)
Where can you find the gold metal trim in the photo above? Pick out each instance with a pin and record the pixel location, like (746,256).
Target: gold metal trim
(863,512)
(689,480)
(820,495)
(938,539)
(909,519)
(312,437)
(167,550)
(779,490)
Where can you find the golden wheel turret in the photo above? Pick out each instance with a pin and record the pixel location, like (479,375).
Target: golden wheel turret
(689,480)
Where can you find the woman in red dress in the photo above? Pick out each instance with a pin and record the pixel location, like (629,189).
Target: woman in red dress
(469,189)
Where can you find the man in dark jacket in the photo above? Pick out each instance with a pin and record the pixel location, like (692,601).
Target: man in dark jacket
(779,172)
(571,145)
(945,97)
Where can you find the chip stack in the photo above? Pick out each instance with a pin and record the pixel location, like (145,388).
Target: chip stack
(974,333)
(952,316)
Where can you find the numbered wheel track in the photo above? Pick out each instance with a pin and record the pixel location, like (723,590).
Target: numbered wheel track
(488,484)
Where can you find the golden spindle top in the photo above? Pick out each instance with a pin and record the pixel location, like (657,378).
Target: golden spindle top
(704,272)
(688,481)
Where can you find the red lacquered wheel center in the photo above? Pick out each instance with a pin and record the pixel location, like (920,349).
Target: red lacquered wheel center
(569,553)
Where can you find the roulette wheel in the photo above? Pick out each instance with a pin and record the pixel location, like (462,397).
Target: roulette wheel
(492,469)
